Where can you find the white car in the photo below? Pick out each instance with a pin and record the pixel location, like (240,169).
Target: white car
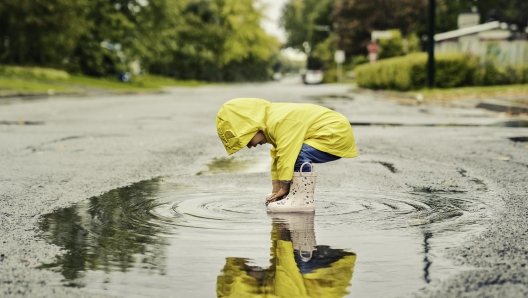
(313,76)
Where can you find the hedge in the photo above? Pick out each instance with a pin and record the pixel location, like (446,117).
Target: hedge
(410,72)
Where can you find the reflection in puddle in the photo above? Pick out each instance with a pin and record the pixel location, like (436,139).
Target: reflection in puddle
(299,267)
(156,238)
(112,232)
(235,165)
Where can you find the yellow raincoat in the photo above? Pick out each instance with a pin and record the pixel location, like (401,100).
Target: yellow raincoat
(286,127)
(283,278)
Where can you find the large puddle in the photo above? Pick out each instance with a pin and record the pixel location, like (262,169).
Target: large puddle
(157,238)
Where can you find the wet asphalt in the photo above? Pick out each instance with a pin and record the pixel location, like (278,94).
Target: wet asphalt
(59,151)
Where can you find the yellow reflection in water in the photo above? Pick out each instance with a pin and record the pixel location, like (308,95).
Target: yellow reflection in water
(299,267)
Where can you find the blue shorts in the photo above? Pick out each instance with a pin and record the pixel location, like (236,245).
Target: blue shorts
(312,155)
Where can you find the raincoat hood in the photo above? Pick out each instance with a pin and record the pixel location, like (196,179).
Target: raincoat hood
(239,119)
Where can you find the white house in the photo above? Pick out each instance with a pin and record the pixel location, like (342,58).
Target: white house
(489,41)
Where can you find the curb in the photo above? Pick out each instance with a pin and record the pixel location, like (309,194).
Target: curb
(501,106)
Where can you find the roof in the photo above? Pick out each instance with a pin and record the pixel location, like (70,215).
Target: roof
(467,31)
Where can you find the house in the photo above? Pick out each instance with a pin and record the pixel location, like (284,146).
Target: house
(495,42)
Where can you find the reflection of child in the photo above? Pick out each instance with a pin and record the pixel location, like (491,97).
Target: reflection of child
(298,268)
(298,133)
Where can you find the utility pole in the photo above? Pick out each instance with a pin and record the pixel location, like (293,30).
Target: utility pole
(431,44)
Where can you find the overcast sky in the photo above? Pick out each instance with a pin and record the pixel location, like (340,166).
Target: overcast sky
(274,12)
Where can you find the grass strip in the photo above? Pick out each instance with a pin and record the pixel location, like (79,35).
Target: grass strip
(501,91)
(17,86)
(16,79)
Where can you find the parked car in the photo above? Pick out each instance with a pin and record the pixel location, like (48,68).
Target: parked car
(313,76)
(314,71)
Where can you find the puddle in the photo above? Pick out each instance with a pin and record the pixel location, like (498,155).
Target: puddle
(22,122)
(389,166)
(156,238)
(246,164)
(512,123)
(519,139)
(324,97)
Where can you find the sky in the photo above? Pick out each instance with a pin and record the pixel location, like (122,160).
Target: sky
(273,12)
(271,26)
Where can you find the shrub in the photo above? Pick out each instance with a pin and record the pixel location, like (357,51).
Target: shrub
(523,74)
(410,72)
(489,74)
(391,47)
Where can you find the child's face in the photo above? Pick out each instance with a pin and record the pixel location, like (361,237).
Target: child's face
(258,139)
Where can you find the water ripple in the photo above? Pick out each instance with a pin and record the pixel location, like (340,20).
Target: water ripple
(226,207)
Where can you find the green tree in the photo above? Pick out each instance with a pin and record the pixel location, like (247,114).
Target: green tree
(356,19)
(307,21)
(220,40)
(188,39)
(39,32)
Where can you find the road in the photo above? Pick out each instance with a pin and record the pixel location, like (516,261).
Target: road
(60,151)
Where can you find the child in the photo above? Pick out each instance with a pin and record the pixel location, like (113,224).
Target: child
(300,134)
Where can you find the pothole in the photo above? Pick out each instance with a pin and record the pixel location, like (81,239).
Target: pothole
(22,122)
(160,237)
(519,139)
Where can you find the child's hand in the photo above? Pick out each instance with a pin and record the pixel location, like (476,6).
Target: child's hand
(280,194)
(270,195)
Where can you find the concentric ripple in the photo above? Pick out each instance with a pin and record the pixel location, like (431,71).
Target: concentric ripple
(226,209)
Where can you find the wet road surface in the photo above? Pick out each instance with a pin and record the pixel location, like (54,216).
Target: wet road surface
(135,196)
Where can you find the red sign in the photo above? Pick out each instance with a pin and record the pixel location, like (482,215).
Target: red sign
(373,47)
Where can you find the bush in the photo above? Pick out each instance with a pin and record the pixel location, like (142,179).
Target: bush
(410,72)
(523,74)
(489,74)
(391,47)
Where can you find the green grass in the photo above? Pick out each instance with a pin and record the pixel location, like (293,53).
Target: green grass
(15,86)
(23,80)
(473,92)
(138,83)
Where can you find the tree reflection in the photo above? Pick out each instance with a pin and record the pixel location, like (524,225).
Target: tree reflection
(299,267)
(112,232)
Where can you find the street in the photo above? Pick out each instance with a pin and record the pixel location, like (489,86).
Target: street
(435,205)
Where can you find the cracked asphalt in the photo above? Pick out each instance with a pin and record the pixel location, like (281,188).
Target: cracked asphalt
(59,151)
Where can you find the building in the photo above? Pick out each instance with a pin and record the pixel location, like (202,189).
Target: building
(495,42)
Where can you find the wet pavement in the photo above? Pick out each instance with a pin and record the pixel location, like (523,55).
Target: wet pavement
(135,197)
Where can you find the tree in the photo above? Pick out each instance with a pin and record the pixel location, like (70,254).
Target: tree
(220,40)
(356,19)
(188,39)
(307,21)
(509,11)
(39,32)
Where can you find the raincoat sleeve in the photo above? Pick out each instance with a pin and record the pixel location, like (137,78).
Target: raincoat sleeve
(273,154)
(290,136)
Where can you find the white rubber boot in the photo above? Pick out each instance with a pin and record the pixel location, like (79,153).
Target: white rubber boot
(301,196)
(302,233)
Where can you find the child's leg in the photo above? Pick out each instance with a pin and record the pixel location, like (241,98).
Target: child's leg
(310,154)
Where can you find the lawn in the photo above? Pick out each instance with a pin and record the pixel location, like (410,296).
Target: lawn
(501,91)
(16,86)
(15,80)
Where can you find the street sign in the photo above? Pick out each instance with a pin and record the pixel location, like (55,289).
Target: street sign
(373,57)
(339,56)
(373,47)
